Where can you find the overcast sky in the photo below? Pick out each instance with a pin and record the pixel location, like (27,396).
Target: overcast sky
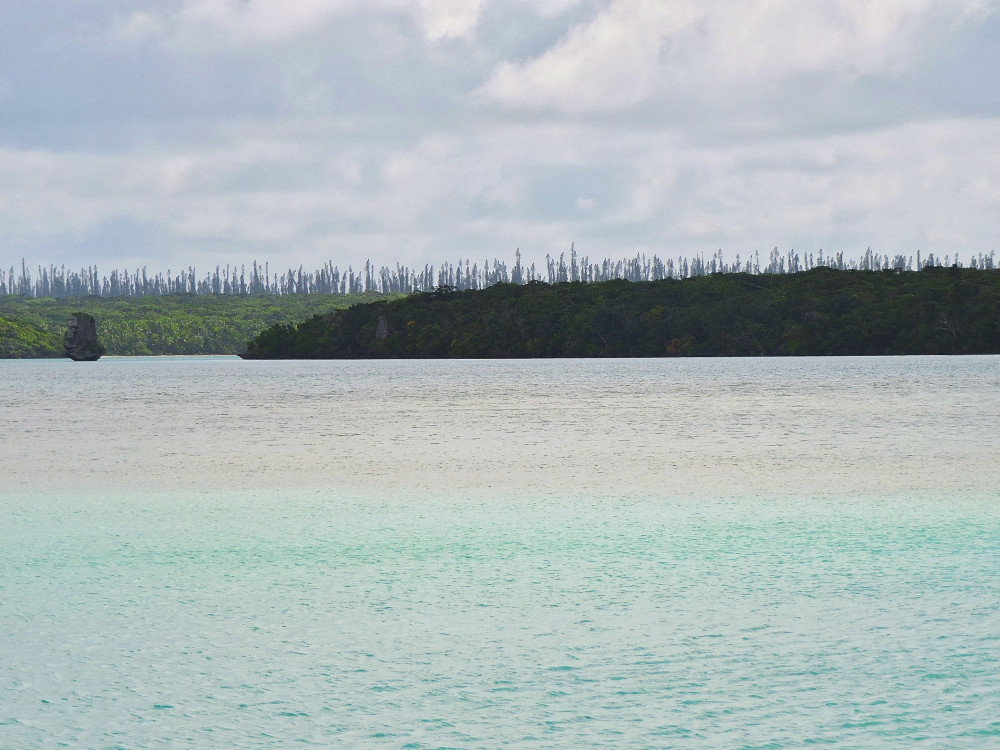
(203,131)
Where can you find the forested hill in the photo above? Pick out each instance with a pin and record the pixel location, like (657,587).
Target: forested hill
(819,312)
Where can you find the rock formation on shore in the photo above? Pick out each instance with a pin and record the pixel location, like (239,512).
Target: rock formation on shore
(81,339)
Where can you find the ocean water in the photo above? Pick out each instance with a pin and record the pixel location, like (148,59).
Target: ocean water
(202,553)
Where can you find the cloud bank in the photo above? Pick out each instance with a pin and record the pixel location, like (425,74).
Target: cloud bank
(199,131)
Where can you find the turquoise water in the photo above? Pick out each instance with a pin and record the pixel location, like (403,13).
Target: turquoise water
(722,553)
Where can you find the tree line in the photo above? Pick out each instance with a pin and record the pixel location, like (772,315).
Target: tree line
(259,280)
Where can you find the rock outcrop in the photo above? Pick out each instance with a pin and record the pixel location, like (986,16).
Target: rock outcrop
(81,339)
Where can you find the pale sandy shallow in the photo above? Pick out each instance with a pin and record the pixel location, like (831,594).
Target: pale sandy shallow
(719,427)
(720,553)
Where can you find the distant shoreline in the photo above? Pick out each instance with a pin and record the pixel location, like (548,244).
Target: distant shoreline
(821,312)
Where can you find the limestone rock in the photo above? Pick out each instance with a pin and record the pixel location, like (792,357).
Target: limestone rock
(382,329)
(81,339)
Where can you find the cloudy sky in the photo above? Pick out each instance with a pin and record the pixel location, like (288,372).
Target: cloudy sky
(178,132)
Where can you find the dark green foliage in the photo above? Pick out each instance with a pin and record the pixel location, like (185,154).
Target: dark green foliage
(819,312)
(168,324)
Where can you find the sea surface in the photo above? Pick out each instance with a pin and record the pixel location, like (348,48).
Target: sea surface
(722,553)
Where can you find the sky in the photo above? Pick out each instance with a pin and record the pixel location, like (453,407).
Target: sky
(197,132)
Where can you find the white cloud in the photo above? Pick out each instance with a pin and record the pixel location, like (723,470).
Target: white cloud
(443,19)
(344,129)
(918,186)
(606,64)
(924,186)
(203,24)
(634,48)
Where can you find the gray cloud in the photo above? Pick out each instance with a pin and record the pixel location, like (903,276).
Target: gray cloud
(204,131)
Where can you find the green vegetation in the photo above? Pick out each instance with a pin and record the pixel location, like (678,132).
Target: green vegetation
(22,340)
(819,312)
(167,324)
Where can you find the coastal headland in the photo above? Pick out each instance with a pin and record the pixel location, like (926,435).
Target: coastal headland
(819,312)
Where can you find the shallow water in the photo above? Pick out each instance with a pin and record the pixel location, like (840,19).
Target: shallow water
(657,553)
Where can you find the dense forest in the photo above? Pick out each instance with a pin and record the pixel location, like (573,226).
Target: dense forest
(742,305)
(169,324)
(817,312)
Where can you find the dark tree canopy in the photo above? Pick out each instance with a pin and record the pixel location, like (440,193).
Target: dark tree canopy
(819,312)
